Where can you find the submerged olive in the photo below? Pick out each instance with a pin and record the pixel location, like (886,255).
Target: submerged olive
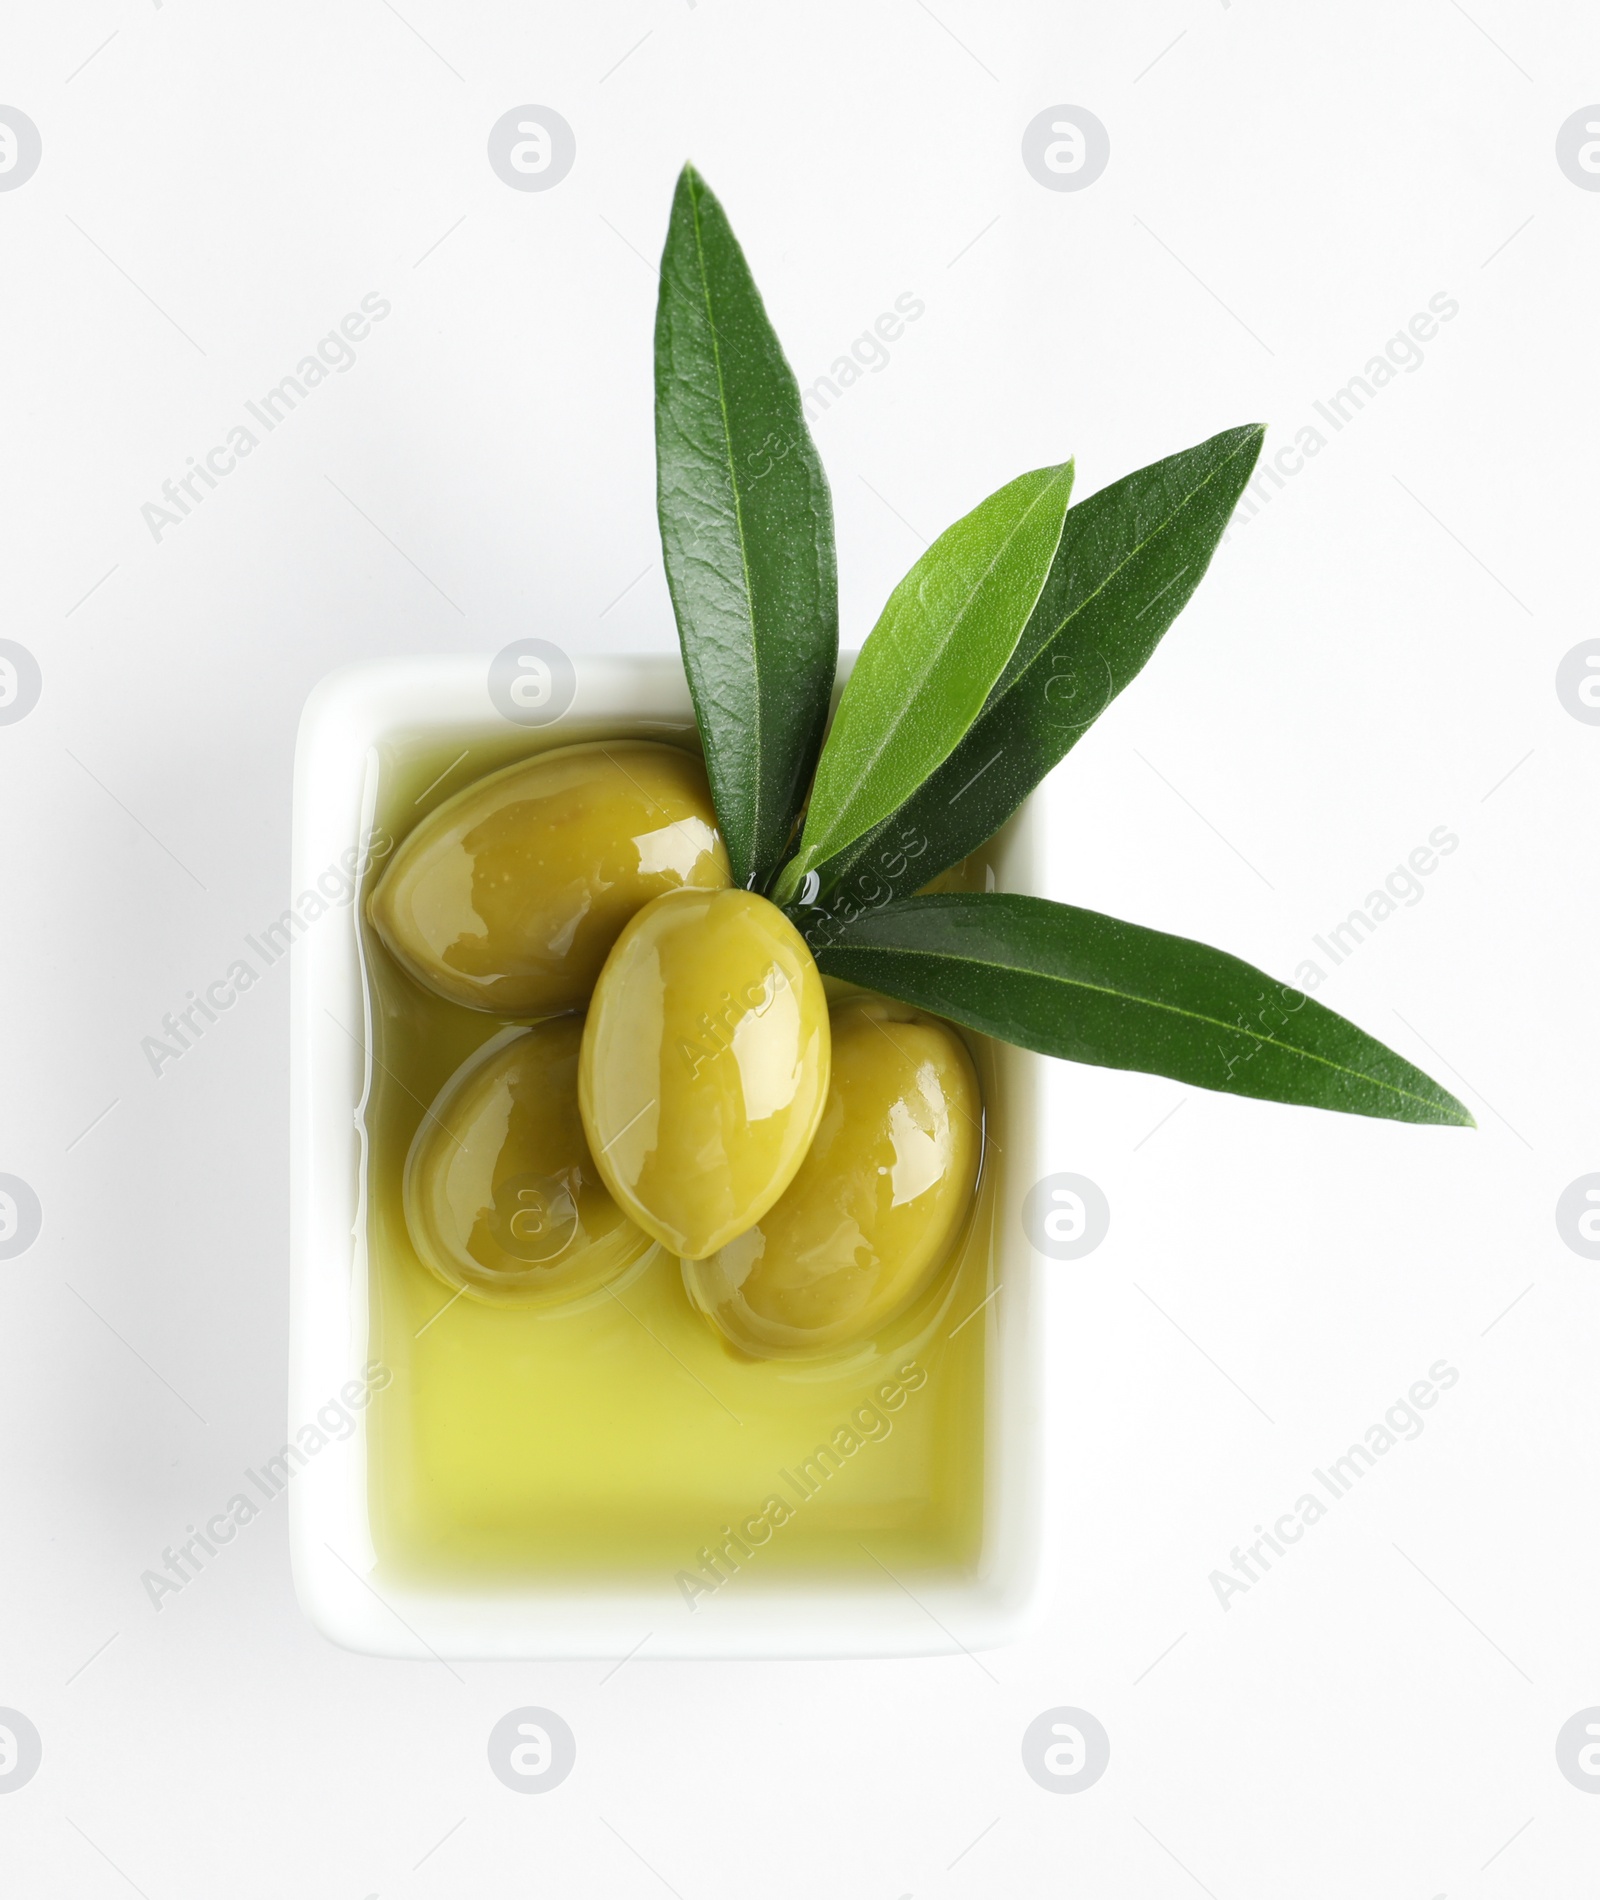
(705,1065)
(879,1200)
(501,1197)
(509,896)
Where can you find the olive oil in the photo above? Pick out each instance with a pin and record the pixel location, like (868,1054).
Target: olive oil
(622,1439)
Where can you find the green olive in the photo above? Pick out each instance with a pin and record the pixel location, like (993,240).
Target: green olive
(510,895)
(501,1197)
(705,1065)
(879,1201)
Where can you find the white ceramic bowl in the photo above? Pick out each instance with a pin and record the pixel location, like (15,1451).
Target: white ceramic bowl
(342,1587)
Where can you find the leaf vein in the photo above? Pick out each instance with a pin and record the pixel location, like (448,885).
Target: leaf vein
(1132,555)
(1149,1002)
(755,745)
(869,759)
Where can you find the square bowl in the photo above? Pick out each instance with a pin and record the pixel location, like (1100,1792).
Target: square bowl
(358,1422)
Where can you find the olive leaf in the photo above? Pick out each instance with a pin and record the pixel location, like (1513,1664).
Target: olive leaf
(1089,988)
(1128,560)
(746,533)
(926,668)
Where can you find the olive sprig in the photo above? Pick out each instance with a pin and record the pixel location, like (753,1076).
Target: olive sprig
(996,653)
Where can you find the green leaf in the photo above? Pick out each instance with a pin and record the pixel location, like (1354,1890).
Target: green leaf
(1074,984)
(927,666)
(746,532)
(1129,558)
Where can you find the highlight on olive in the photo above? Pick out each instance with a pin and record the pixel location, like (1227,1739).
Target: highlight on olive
(705,1065)
(502,1198)
(877,1207)
(509,896)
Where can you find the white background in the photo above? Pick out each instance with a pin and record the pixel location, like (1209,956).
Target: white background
(1368,659)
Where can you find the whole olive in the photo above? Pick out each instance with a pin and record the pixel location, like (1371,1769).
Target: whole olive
(705,1065)
(878,1203)
(509,896)
(501,1197)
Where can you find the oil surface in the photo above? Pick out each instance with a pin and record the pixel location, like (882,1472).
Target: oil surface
(617,1439)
